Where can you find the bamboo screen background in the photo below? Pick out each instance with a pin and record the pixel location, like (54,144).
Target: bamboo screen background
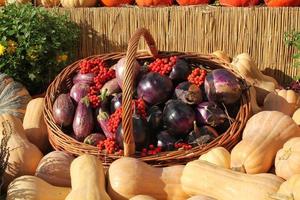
(258,31)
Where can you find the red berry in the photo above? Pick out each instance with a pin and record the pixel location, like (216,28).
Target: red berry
(197,76)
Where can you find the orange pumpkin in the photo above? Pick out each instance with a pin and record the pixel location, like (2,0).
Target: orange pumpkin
(192,2)
(239,3)
(113,3)
(148,3)
(282,3)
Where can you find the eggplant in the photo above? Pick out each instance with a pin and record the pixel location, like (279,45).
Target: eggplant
(84,78)
(166,141)
(78,91)
(155,118)
(111,87)
(83,122)
(63,110)
(188,93)
(94,139)
(116,102)
(180,70)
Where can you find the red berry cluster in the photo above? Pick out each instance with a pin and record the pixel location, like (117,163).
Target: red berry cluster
(102,75)
(110,146)
(141,107)
(181,145)
(151,151)
(114,121)
(197,76)
(163,66)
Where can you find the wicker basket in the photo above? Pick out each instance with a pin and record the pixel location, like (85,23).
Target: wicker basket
(63,82)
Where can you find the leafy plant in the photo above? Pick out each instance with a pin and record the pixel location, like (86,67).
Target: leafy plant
(293,39)
(35,44)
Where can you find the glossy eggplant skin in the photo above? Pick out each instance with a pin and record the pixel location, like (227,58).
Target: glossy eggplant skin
(63,110)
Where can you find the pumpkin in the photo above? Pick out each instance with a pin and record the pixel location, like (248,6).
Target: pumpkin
(78,3)
(264,134)
(239,3)
(282,3)
(296,116)
(201,177)
(87,179)
(13,97)
(192,2)
(142,197)
(24,156)
(34,188)
(112,3)
(201,197)
(286,101)
(287,161)
(148,3)
(263,84)
(222,55)
(218,156)
(34,124)
(55,168)
(128,177)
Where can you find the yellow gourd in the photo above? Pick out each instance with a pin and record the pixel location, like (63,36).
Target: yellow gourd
(142,197)
(49,3)
(129,177)
(286,101)
(264,134)
(201,177)
(222,55)
(87,179)
(296,116)
(24,156)
(218,156)
(287,161)
(250,72)
(289,190)
(201,197)
(55,168)
(34,188)
(34,124)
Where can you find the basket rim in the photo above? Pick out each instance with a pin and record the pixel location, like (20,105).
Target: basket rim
(61,141)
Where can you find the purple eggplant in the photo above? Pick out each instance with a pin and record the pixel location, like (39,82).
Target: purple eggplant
(155,88)
(78,91)
(102,120)
(84,78)
(63,110)
(116,102)
(202,135)
(111,87)
(178,117)
(166,141)
(83,122)
(210,113)
(180,71)
(155,118)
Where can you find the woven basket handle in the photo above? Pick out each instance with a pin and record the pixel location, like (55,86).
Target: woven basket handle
(127,124)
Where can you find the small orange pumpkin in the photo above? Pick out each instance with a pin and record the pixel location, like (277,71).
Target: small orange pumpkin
(192,2)
(148,3)
(282,3)
(114,3)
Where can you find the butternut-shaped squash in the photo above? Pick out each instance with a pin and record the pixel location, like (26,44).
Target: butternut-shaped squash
(289,190)
(34,188)
(142,197)
(250,72)
(264,134)
(222,55)
(24,156)
(201,177)
(286,101)
(287,161)
(296,116)
(34,124)
(54,168)
(218,156)
(128,177)
(87,179)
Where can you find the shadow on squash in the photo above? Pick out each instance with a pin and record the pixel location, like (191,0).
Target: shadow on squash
(282,78)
